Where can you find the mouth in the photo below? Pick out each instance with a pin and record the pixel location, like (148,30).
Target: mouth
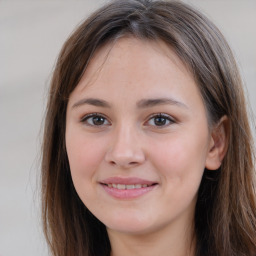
(127,188)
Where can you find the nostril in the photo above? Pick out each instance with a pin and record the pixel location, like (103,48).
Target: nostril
(133,163)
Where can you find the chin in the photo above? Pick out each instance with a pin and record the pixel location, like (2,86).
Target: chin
(135,225)
(129,229)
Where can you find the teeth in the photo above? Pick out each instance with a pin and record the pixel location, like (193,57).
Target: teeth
(130,186)
(121,186)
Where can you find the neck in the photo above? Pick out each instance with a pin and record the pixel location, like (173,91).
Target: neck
(164,242)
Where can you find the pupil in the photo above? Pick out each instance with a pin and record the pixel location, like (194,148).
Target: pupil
(160,121)
(98,120)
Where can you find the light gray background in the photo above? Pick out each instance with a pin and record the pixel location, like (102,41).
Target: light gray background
(31,35)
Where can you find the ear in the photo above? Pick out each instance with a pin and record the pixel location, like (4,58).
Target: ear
(218,144)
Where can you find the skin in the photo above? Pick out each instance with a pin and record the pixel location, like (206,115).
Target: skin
(128,143)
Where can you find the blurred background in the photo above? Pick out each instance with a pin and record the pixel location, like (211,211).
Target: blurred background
(31,35)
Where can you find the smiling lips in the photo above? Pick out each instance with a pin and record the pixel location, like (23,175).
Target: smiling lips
(127,188)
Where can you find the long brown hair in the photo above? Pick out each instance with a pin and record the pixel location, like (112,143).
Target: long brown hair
(225,216)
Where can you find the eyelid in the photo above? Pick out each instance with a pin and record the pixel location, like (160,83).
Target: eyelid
(164,115)
(87,116)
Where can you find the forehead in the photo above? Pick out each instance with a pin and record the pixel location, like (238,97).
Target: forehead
(129,57)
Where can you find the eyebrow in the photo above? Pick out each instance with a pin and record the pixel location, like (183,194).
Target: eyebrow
(144,103)
(93,102)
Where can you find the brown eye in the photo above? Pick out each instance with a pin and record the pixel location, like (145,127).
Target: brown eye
(160,120)
(98,120)
(95,120)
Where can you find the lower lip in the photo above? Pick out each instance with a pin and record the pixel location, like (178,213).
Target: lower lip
(127,193)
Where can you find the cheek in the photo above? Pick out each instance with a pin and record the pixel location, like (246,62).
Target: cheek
(84,155)
(180,159)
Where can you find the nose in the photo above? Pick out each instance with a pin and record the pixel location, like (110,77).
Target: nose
(125,149)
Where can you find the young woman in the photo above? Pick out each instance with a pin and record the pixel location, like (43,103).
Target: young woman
(147,145)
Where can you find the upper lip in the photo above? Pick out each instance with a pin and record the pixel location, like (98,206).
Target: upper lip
(127,181)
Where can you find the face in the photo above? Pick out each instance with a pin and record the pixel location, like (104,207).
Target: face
(137,138)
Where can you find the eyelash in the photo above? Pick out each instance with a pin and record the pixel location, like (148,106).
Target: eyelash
(93,115)
(165,118)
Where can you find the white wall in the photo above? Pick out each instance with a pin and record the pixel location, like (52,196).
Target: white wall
(31,35)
